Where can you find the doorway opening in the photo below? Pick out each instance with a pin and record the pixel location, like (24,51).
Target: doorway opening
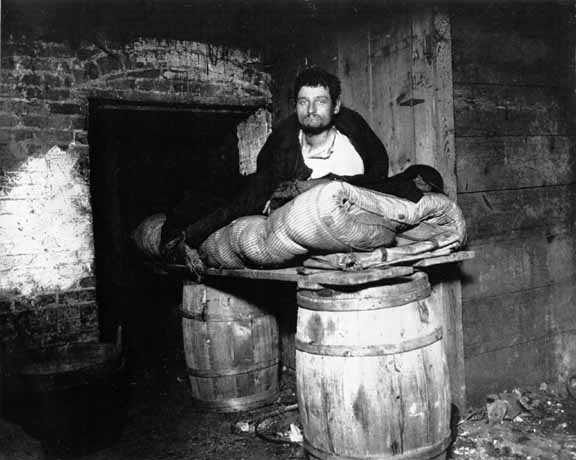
(145,159)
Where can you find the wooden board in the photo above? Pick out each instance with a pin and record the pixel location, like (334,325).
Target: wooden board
(510,368)
(501,212)
(485,52)
(354,67)
(454,257)
(489,110)
(391,65)
(491,163)
(511,265)
(280,274)
(432,84)
(518,317)
(431,73)
(509,320)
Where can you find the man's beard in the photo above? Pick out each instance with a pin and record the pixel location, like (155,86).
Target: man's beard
(313,130)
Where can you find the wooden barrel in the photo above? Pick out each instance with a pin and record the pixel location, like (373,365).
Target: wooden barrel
(372,376)
(74,397)
(231,346)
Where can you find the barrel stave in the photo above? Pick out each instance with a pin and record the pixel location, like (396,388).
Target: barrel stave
(372,376)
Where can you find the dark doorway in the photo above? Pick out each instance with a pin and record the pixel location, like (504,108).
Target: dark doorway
(144,160)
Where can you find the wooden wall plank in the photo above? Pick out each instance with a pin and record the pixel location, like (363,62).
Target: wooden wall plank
(432,108)
(510,45)
(392,83)
(505,56)
(518,317)
(564,358)
(432,84)
(501,211)
(531,261)
(504,369)
(515,175)
(446,291)
(488,110)
(354,68)
(513,162)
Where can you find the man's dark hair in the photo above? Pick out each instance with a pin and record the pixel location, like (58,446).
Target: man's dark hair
(315,76)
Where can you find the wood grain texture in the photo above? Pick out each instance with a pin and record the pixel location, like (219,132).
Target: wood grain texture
(515,181)
(529,261)
(446,299)
(376,405)
(432,83)
(489,110)
(434,145)
(509,320)
(231,347)
(527,315)
(486,53)
(354,67)
(492,163)
(391,63)
(501,212)
(520,365)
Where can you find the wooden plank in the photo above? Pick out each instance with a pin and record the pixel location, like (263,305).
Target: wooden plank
(500,212)
(522,365)
(353,278)
(392,83)
(484,53)
(281,274)
(498,322)
(527,20)
(432,84)
(451,258)
(354,67)
(513,162)
(511,265)
(564,359)
(488,110)
(446,292)
(431,72)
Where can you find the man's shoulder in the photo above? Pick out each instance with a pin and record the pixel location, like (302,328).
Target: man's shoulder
(349,115)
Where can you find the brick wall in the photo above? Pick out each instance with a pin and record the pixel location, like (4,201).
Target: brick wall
(46,241)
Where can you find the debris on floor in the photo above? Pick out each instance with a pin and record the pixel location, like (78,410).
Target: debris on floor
(516,424)
(519,424)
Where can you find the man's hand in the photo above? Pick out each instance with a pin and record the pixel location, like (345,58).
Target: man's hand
(193,261)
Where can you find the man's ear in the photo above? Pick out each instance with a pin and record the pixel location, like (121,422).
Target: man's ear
(337,106)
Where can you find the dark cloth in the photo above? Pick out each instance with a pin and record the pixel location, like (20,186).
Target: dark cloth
(403,184)
(279,160)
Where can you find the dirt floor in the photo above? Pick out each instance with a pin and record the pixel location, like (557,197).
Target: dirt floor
(162,423)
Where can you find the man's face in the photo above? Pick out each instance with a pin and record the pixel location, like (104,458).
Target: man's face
(315,109)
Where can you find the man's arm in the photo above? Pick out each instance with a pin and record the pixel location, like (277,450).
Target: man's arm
(251,199)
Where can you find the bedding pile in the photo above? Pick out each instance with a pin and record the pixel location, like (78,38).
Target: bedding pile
(337,217)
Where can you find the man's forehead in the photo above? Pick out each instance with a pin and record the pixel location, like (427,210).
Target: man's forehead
(318,90)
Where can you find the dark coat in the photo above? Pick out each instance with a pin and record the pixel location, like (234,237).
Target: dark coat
(279,160)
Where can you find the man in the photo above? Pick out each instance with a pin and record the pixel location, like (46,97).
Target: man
(321,141)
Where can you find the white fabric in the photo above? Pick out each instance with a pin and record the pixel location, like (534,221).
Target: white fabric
(343,161)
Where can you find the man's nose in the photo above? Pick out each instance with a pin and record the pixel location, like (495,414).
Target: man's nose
(311,108)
